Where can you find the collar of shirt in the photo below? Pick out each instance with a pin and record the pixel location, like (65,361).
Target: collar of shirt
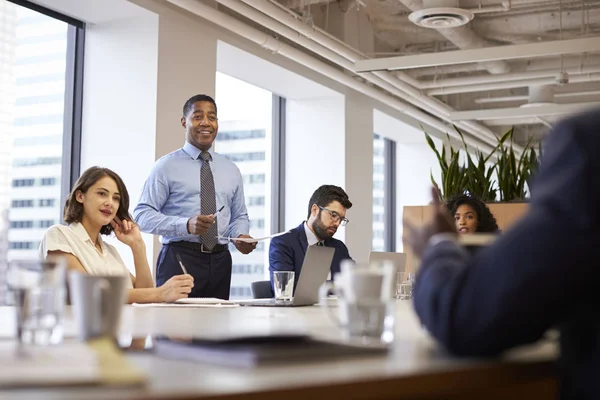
(194,152)
(310,236)
(85,237)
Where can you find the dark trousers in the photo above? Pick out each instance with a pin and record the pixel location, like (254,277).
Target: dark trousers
(211,271)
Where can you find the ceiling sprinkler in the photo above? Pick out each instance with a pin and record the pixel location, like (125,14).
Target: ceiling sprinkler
(562,78)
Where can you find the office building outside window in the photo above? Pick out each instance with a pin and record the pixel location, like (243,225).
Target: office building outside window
(37,49)
(246,138)
(384,208)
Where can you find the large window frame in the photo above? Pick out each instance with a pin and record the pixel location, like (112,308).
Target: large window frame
(389,151)
(73,102)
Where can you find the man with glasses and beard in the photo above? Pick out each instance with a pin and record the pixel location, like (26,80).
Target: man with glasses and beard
(326,212)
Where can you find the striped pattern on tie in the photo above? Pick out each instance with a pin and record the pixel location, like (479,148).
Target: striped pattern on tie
(208,200)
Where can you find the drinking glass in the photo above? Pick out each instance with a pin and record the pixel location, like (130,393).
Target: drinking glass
(283,285)
(404,285)
(39,291)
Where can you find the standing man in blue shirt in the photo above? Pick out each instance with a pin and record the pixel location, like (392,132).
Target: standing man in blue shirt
(192,196)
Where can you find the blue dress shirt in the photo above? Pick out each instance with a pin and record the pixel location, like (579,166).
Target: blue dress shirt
(171,196)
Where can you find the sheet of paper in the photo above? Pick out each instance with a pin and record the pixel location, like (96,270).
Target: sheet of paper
(251,240)
(183,305)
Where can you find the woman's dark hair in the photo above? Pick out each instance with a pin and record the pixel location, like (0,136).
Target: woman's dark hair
(74,209)
(486,222)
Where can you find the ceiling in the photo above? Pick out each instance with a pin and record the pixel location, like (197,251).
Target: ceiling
(551,69)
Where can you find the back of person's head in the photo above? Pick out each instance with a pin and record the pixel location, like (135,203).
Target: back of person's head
(486,222)
(189,104)
(327,194)
(73,211)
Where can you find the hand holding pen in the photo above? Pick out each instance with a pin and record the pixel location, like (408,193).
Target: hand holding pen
(199,224)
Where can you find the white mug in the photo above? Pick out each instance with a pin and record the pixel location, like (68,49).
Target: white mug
(364,298)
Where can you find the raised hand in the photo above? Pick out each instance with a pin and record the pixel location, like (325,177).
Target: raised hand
(178,287)
(418,237)
(243,247)
(199,224)
(126,231)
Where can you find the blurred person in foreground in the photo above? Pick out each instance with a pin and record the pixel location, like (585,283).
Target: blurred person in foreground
(540,274)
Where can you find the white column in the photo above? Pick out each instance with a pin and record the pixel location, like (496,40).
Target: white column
(359,175)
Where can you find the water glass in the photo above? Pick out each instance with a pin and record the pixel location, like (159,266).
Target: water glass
(404,285)
(283,284)
(39,292)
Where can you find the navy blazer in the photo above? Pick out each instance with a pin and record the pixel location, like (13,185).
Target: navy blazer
(286,253)
(544,272)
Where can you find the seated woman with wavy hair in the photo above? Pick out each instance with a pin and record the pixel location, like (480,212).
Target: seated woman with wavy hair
(471,215)
(98,205)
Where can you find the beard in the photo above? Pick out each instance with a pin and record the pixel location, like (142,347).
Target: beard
(320,229)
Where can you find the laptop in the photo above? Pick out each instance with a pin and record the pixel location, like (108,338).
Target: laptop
(315,269)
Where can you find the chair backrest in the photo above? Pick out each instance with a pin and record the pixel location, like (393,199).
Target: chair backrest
(261,290)
(399,259)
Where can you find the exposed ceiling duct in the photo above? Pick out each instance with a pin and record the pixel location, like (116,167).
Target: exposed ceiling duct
(483,138)
(463,36)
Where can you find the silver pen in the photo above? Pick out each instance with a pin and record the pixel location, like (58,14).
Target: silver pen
(181,263)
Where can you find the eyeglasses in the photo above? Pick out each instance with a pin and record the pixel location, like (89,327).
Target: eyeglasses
(335,217)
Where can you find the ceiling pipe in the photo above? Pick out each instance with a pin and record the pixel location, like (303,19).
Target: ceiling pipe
(569,61)
(268,42)
(281,22)
(513,76)
(594,77)
(464,38)
(504,99)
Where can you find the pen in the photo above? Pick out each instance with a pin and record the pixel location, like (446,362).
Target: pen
(181,263)
(217,213)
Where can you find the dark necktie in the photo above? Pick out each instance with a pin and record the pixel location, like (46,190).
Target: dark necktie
(208,200)
(320,244)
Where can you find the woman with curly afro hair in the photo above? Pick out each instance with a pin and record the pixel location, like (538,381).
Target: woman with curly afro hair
(471,215)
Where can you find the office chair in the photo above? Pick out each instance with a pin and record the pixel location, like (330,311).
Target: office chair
(261,290)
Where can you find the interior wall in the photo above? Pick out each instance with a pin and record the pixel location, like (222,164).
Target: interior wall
(119,104)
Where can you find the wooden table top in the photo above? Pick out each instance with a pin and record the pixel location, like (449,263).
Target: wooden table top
(415,367)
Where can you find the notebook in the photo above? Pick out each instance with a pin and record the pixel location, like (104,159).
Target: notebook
(251,351)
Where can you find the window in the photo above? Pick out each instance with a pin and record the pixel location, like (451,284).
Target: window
(46,223)
(22,203)
(238,135)
(21,224)
(255,201)
(47,202)
(48,181)
(248,136)
(41,64)
(23,245)
(384,194)
(23,182)
(253,178)
(255,156)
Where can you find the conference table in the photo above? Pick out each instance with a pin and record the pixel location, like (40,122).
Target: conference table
(415,367)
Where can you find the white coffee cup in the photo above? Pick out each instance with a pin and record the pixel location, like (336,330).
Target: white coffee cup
(364,299)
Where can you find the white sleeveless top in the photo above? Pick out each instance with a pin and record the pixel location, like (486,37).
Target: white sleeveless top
(74,239)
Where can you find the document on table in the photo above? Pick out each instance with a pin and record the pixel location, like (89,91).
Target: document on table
(193,302)
(251,240)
